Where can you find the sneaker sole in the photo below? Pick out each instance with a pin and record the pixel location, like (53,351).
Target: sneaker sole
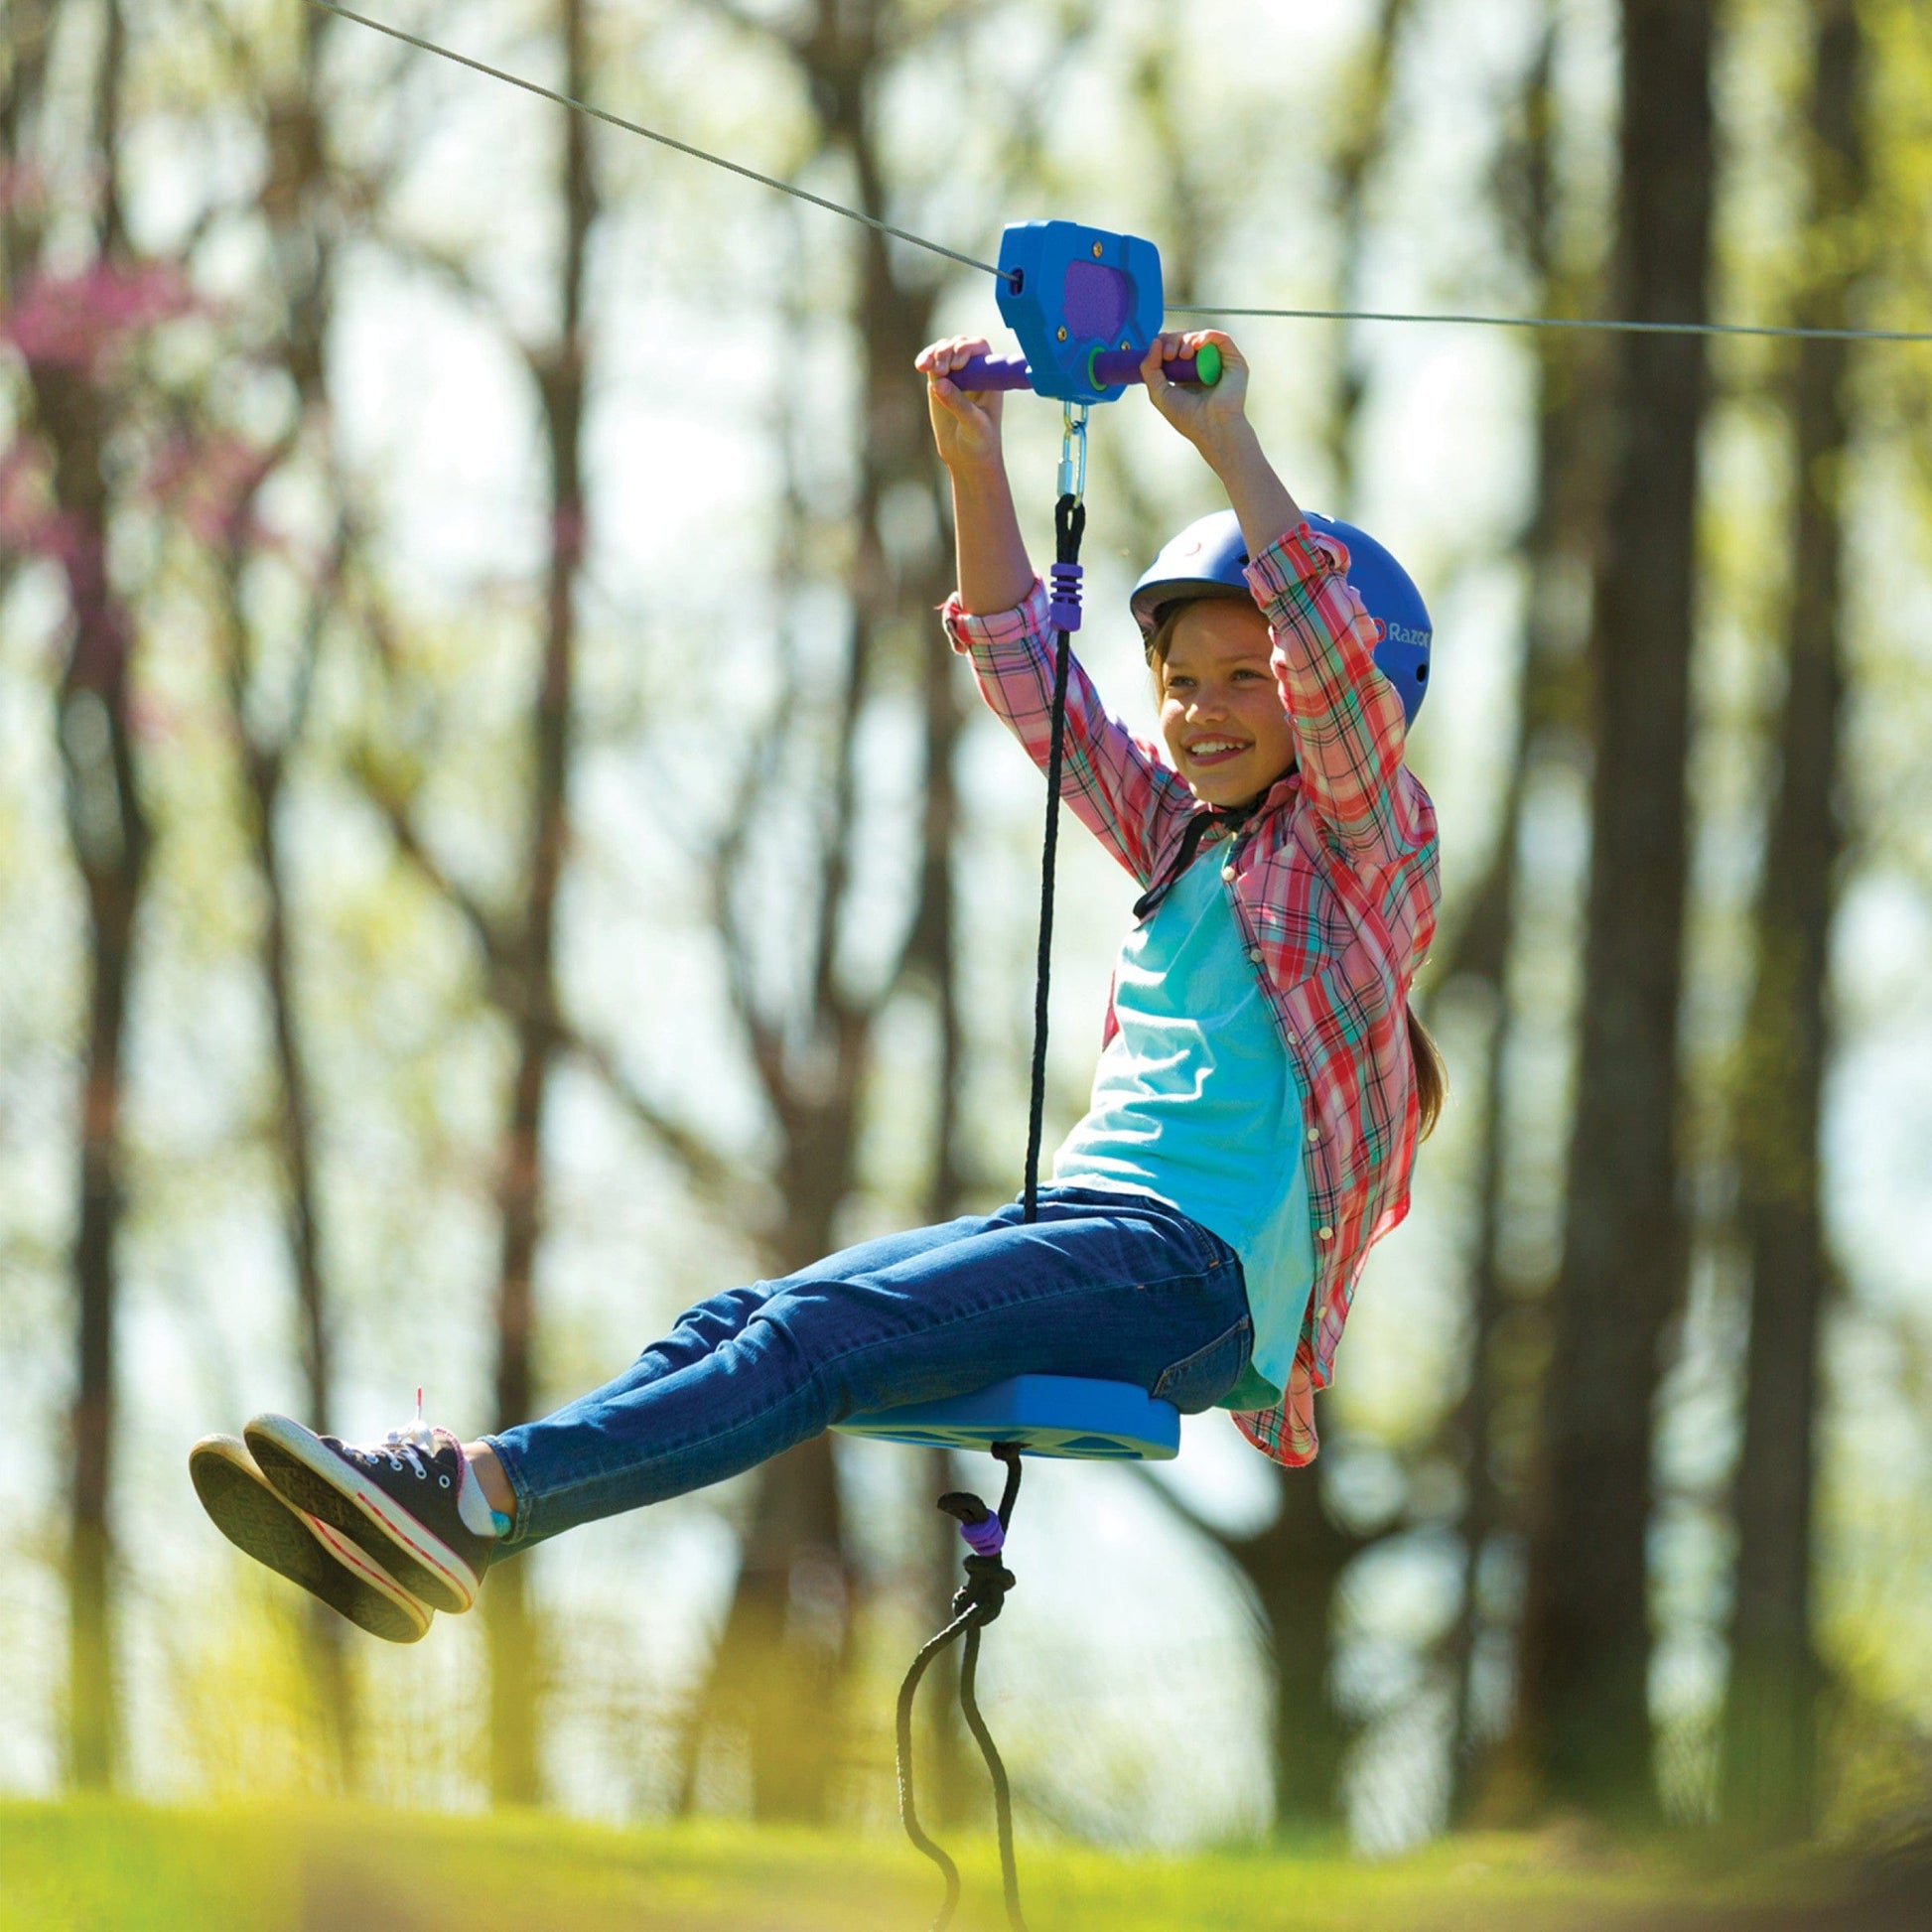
(258,1522)
(323,1485)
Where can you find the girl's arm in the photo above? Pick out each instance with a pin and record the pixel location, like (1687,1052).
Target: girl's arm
(1215,421)
(1116,786)
(1346,715)
(995,572)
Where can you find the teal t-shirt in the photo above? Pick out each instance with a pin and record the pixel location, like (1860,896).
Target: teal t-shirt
(1197,1102)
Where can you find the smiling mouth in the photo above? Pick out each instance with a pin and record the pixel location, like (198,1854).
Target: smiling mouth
(1215,751)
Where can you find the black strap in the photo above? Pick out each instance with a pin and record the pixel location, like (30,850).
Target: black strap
(1069,525)
(1229,817)
(1198,828)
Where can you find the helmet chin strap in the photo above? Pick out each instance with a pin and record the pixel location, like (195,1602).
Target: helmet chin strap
(1226,818)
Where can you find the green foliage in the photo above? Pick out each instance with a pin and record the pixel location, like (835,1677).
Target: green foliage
(100,1868)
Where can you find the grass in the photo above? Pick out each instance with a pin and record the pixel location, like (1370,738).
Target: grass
(107,1865)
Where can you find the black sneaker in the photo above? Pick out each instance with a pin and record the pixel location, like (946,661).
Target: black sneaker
(299,1547)
(402,1500)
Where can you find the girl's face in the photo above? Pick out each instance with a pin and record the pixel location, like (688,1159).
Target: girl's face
(1222,709)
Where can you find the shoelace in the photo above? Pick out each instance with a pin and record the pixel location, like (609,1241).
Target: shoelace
(410,1445)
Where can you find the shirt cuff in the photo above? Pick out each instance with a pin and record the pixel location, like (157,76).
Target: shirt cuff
(1025,622)
(1298,556)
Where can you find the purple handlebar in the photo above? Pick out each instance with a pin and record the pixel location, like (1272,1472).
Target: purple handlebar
(1109,366)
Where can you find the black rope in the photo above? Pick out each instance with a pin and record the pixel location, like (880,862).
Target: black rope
(977,1602)
(1069,525)
(1002,1795)
(908,1814)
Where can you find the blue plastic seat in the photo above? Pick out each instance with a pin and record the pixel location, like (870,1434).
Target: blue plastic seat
(1045,1415)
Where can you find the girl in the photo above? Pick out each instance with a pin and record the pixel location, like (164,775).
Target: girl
(1254,1118)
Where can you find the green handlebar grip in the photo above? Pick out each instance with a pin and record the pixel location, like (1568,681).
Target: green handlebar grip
(1106,367)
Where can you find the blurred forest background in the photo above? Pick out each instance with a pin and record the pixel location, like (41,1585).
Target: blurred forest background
(492,846)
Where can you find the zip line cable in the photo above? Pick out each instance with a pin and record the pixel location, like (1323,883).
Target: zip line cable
(1607,327)
(653,134)
(1570,321)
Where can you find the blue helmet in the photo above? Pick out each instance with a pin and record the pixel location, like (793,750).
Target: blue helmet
(1209,558)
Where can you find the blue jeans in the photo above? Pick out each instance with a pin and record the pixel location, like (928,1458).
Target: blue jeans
(1117,1287)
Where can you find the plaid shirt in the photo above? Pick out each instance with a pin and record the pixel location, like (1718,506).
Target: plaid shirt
(1335,888)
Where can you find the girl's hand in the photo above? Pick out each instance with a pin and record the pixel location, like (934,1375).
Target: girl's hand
(965,423)
(1210,419)
(1215,422)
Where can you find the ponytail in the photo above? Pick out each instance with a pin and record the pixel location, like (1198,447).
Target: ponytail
(1432,1076)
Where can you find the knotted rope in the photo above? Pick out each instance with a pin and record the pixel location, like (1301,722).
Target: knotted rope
(975,1604)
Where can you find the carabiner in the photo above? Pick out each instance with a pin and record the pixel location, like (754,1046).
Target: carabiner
(1073,452)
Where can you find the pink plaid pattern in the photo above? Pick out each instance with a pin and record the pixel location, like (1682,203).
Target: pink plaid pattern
(1335,886)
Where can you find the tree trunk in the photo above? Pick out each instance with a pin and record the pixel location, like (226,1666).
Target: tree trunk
(1586,1643)
(109,832)
(1360,149)
(1297,1566)
(73,413)
(1769,1741)
(789,1624)
(296,199)
(1561,540)
(264,765)
(509,1622)
(932,957)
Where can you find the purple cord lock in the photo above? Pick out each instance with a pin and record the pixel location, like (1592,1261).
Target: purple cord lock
(987,1538)
(1065,610)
